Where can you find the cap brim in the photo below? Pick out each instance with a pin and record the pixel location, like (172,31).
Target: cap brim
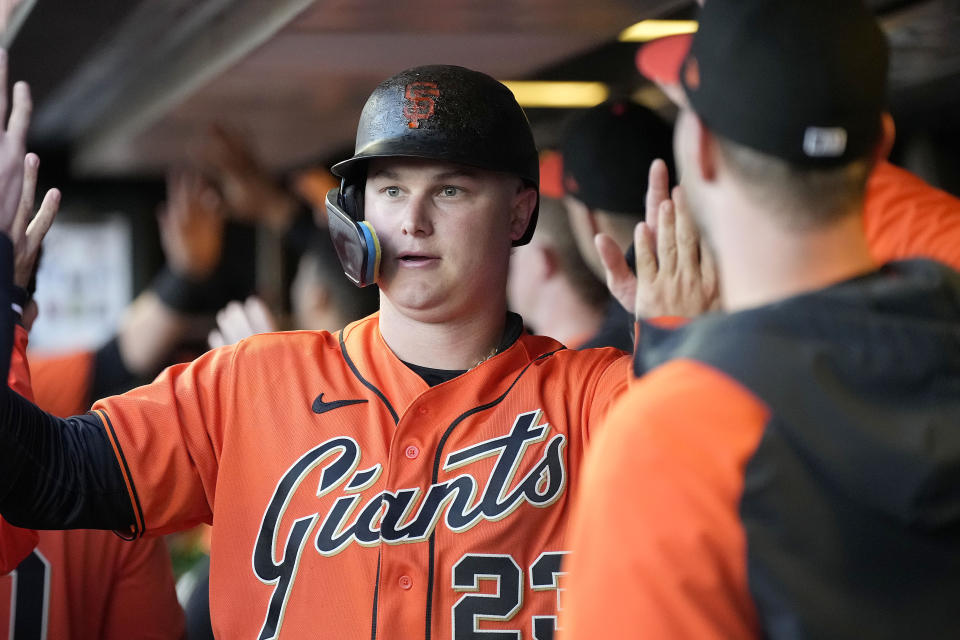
(660,60)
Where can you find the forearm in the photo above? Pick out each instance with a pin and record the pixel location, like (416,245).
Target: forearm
(56,473)
(148,333)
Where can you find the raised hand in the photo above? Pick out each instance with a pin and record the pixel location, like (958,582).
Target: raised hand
(13,138)
(658,191)
(28,230)
(191,226)
(239,320)
(250,192)
(676,274)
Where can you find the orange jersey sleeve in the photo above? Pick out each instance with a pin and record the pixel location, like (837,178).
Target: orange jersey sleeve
(171,436)
(658,548)
(904,217)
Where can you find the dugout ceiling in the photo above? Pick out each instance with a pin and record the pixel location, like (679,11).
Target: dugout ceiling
(125,87)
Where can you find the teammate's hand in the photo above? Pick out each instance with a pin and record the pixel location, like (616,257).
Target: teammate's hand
(676,274)
(191,226)
(12,146)
(28,229)
(239,320)
(250,192)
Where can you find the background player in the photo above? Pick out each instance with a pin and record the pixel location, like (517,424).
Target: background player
(78,584)
(15,544)
(163,317)
(551,287)
(607,152)
(795,460)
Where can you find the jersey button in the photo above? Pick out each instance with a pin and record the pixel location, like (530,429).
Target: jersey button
(423,411)
(412,452)
(405,582)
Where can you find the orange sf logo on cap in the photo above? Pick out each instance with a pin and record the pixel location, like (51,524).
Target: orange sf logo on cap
(691,73)
(419,102)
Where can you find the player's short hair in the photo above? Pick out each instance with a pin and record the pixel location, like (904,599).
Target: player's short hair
(804,196)
(554,228)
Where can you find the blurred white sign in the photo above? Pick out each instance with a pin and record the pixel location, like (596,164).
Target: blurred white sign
(84,284)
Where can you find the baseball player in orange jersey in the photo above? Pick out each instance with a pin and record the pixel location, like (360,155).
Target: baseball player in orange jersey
(87,584)
(409,476)
(76,584)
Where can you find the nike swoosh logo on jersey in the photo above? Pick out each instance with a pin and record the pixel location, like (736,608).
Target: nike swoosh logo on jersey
(319,406)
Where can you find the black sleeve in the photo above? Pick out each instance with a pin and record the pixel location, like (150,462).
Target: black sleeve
(6,287)
(56,473)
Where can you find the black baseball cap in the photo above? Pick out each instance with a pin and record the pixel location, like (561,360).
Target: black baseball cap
(607,151)
(801,80)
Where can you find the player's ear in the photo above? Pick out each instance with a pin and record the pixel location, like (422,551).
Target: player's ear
(521,209)
(550,261)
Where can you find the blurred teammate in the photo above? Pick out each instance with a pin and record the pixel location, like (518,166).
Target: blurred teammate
(162,317)
(321,300)
(78,584)
(15,543)
(789,472)
(551,287)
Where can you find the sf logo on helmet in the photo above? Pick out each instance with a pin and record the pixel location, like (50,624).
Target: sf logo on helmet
(420,100)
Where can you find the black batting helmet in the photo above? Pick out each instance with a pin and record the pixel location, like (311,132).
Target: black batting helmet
(448,113)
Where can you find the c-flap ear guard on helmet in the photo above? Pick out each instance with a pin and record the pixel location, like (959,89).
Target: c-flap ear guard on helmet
(355,241)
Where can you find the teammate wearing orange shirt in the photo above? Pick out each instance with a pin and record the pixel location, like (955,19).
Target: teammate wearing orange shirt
(15,543)
(76,584)
(790,471)
(88,584)
(409,476)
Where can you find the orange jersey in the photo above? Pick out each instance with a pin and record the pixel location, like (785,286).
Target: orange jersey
(350,499)
(786,471)
(61,383)
(904,217)
(87,584)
